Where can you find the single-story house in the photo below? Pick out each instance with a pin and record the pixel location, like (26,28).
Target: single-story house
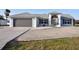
(41,20)
(76,21)
(3,22)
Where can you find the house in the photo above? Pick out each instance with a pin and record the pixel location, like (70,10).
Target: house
(41,20)
(76,21)
(2,21)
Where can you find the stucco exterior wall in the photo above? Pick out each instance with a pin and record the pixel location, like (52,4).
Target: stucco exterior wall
(59,21)
(49,19)
(34,22)
(10,22)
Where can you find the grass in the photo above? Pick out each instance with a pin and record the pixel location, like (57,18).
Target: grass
(50,44)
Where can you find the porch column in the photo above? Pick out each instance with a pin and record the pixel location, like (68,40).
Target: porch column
(59,21)
(72,22)
(10,22)
(49,20)
(34,22)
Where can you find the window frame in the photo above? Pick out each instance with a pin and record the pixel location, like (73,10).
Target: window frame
(67,21)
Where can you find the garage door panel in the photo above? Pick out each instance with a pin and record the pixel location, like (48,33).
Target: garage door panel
(23,22)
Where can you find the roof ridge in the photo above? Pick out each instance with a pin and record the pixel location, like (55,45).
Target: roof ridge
(22,13)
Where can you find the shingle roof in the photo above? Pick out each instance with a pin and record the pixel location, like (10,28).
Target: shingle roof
(67,15)
(54,13)
(64,15)
(28,15)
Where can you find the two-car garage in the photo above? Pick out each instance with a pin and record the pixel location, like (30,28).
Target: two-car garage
(22,22)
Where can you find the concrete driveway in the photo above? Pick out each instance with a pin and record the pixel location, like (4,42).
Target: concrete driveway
(8,34)
(49,33)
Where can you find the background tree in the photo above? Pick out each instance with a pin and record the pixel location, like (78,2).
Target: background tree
(7,12)
(1,17)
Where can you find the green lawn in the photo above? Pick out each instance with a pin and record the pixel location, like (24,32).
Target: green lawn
(50,44)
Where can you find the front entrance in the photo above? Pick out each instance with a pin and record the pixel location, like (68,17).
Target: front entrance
(54,22)
(42,22)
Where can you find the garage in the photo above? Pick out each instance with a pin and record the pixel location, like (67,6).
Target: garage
(22,22)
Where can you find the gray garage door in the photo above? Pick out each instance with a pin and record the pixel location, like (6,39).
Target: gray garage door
(27,22)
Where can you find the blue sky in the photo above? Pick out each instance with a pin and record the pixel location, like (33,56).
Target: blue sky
(73,12)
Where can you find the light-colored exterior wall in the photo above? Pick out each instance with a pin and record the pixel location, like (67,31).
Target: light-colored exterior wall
(10,23)
(34,22)
(72,22)
(49,19)
(59,21)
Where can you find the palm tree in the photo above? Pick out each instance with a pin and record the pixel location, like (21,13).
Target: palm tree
(7,12)
(1,17)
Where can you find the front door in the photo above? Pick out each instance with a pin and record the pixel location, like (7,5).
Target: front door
(54,22)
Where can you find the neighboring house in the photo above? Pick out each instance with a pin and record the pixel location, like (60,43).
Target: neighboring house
(41,20)
(3,22)
(76,21)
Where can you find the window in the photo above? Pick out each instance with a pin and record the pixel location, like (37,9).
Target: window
(8,21)
(43,22)
(65,21)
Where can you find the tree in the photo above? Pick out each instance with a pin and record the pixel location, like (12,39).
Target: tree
(7,12)
(1,17)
